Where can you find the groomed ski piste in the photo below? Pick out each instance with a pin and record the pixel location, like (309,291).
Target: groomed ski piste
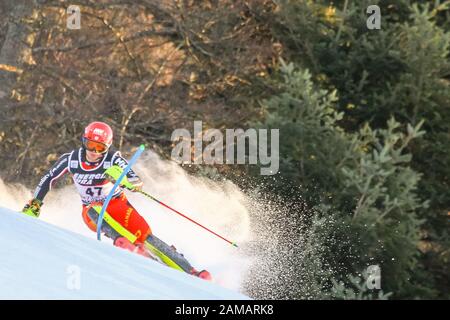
(43,261)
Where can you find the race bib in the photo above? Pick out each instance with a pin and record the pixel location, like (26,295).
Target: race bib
(94,193)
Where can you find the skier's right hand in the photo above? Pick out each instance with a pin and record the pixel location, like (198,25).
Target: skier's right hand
(136,186)
(33,208)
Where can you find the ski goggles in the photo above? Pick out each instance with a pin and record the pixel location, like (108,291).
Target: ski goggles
(95,146)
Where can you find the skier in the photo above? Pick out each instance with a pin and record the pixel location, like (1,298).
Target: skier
(122,223)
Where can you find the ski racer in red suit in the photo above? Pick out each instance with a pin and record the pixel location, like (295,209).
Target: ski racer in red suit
(123,223)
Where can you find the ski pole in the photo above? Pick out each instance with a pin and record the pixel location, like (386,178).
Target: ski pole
(116,184)
(184,216)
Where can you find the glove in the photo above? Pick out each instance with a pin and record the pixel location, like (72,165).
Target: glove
(33,208)
(137,187)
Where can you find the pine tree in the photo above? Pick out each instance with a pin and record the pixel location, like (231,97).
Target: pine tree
(364,177)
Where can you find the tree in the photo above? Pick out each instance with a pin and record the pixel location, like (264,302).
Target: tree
(364,177)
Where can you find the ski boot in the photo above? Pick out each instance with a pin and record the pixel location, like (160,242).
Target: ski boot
(126,244)
(204,274)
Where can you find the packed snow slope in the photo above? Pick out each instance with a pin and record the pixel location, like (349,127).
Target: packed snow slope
(42,261)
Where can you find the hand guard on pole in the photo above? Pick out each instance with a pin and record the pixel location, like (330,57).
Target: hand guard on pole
(113,173)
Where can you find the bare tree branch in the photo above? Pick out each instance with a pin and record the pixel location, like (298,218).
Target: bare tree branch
(139,35)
